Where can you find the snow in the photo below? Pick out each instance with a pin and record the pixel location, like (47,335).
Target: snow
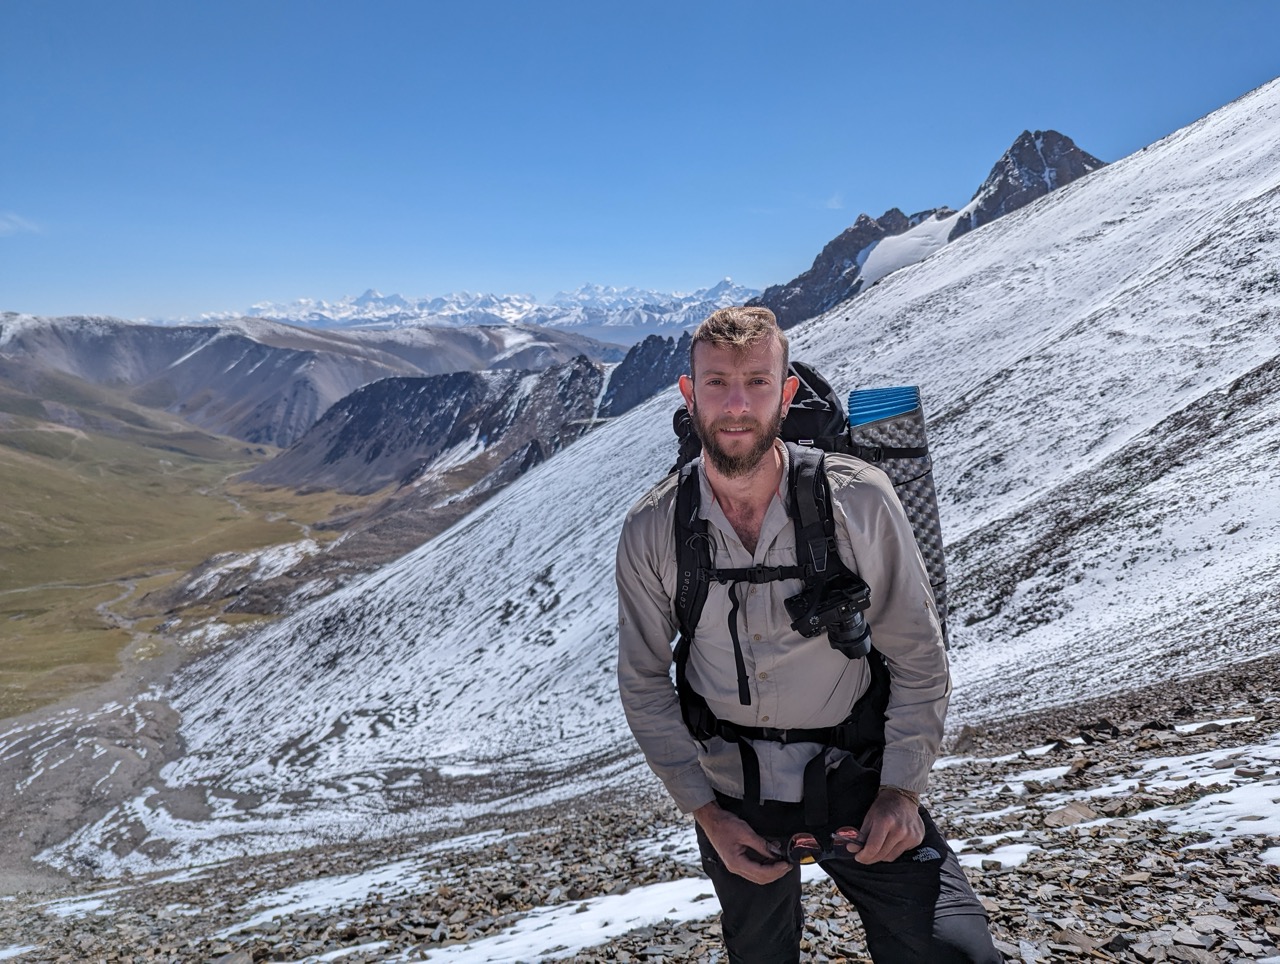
(565,929)
(328,892)
(901,250)
(1009,855)
(259,565)
(597,305)
(13,324)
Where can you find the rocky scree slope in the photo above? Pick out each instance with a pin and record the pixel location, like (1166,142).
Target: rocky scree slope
(1072,825)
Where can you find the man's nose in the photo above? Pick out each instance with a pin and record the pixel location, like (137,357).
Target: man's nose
(735,400)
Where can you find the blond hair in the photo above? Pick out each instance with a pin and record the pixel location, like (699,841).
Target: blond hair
(739,328)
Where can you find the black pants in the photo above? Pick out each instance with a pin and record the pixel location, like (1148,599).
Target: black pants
(918,909)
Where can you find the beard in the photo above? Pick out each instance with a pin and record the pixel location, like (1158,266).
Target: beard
(732,465)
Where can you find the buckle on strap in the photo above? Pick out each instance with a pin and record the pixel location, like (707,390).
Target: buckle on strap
(756,574)
(821,735)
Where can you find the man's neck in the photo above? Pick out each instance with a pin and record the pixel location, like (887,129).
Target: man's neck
(750,493)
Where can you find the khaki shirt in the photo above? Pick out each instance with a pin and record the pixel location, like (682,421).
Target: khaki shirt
(795,682)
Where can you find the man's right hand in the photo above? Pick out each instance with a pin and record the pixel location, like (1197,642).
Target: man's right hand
(743,851)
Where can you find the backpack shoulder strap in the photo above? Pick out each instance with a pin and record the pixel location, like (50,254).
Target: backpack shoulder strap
(811,511)
(693,551)
(693,562)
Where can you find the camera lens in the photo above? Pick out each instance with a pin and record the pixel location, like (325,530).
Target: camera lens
(850,636)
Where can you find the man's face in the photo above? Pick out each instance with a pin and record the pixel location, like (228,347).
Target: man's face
(737,400)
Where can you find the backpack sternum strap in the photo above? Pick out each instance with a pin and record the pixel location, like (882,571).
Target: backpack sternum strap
(757,574)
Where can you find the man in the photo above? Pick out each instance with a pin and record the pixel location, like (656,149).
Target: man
(762,677)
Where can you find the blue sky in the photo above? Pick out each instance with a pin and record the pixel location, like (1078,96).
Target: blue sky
(160,159)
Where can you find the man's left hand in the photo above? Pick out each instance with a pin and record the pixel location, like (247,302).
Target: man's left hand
(891,827)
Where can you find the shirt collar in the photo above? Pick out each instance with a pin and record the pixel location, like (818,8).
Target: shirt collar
(776,518)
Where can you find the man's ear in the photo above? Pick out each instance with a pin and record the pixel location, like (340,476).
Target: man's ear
(686,389)
(789,388)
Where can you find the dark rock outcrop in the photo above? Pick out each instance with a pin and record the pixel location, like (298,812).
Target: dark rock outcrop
(1035,165)
(398,430)
(650,366)
(836,275)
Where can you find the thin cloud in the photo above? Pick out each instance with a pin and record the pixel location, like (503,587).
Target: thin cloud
(11,223)
(835,202)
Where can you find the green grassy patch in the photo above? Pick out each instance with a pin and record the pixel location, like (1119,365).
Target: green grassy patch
(92,522)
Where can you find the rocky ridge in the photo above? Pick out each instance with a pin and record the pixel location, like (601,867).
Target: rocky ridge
(1068,866)
(836,273)
(1036,164)
(261,381)
(650,366)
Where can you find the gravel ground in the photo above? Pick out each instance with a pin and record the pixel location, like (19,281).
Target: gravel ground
(1101,884)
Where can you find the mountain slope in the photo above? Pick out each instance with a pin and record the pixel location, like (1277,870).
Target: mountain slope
(1099,370)
(263,381)
(650,366)
(399,429)
(432,449)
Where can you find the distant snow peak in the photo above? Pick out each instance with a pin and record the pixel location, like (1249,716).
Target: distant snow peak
(626,314)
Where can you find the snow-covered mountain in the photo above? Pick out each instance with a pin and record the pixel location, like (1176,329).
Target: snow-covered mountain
(1102,373)
(620,315)
(1034,165)
(265,381)
(871,248)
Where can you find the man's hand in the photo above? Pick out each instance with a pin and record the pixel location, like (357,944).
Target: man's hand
(743,851)
(891,827)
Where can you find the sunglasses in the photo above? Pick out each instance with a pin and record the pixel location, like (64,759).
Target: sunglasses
(803,848)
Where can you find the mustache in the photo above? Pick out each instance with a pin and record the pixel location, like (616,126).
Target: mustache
(736,423)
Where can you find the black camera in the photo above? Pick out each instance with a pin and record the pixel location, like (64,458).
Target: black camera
(836,606)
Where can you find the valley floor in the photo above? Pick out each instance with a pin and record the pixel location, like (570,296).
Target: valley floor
(1137,828)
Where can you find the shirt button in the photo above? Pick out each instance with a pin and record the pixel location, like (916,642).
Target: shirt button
(764,719)
(751,591)
(764,675)
(756,637)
